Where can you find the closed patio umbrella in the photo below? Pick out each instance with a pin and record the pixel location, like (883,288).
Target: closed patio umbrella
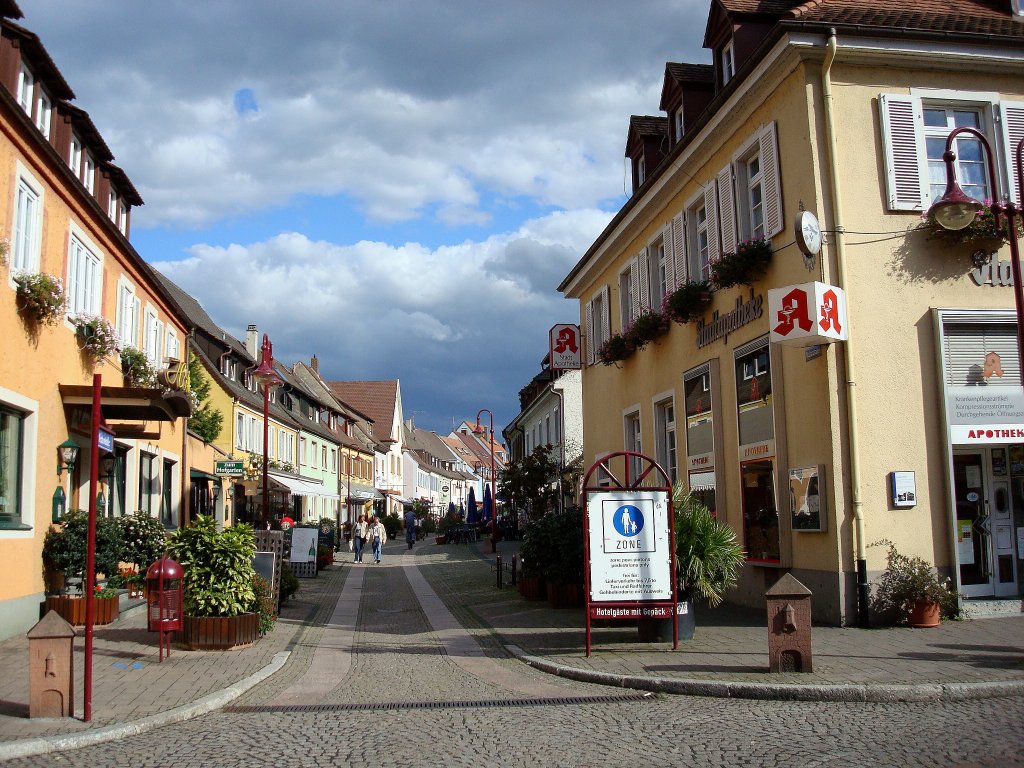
(488,504)
(472,516)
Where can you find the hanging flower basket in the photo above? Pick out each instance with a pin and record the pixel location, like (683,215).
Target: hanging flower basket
(96,334)
(688,302)
(742,267)
(40,297)
(647,327)
(980,234)
(616,348)
(136,368)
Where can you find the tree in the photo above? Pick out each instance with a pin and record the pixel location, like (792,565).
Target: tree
(531,482)
(205,420)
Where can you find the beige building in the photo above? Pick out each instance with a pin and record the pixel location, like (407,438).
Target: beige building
(911,429)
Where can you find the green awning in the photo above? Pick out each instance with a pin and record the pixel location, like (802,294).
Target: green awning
(198,474)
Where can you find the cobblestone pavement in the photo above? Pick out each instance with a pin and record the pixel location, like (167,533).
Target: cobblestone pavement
(400,685)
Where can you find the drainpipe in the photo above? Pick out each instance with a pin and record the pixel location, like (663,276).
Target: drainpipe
(863,589)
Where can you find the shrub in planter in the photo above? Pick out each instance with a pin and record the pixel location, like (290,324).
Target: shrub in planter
(908,581)
(264,605)
(616,347)
(708,555)
(136,368)
(648,326)
(145,539)
(324,557)
(65,547)
(40,296)
(219,576)
(289,582)
(392,524)
(688,302)
(96,334)
(743,266)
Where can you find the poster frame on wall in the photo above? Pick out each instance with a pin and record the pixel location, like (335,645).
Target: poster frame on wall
(640,486)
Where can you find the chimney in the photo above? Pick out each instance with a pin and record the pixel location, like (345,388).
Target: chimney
(251,345)
(314,363)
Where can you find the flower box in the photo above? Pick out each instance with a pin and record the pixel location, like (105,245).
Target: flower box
(218,633)
(743,266)
(72,609)
(688,302)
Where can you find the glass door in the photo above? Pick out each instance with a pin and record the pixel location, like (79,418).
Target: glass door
(972,523)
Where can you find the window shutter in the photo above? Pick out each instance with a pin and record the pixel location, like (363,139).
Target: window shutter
(589,339)
(1013,133)
(668,236)
(711,211)
(768,146)
(679,248)
(900,116)
(644,282)
(634,290)
(727,209)
(606,311)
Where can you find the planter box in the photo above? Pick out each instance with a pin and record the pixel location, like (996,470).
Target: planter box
(565,595)
(440,539)
(72,609)
(924,613)
(218,633)
(532,587)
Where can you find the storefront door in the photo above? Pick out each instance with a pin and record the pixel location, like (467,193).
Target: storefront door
(984,522)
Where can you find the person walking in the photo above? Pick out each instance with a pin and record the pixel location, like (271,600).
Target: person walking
(410,527)
(377,535)
(359,537)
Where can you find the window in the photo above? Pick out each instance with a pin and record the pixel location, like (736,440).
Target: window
(43,108)
(153,337)
(323,456)
(89,173)
(754,393)
(914,133)
(173,346)
(598,322)
(700,436)
(146,483)
(85,278)
(128,314)
(677,118)
(75,156)
(168,514)
(626,297)
(728,63)
(12,464)
(28,224)
(702,244)
(557,423)
(240,431)
(659,264)
(26,89)
(633,442)
(302,450)
(641,171)
(756,210)
(334,460)
(665,433)
(112,206)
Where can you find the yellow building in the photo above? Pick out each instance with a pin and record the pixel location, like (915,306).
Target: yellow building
(911,428)
(66,220)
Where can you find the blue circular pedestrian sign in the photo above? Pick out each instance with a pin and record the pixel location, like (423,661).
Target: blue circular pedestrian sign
(628,520)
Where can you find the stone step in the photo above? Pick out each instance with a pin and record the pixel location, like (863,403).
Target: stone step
(982,608)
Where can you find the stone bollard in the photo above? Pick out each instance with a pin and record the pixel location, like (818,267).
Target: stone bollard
(51,667)
(789,626)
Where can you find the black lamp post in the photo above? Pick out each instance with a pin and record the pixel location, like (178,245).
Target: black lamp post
(266,376)
(957,210)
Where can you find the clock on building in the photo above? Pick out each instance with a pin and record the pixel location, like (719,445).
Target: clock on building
(808,233)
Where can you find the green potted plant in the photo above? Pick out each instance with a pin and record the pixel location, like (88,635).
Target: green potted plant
(40,297)
(145,539)
(648,326)
(615,348)
(220,610)
(911,590)
(744,265)
(688,302)
(97,335)
(533,556)
(64,551)
(136,368)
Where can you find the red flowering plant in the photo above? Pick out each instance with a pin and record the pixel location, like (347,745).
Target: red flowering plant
(982,231)
(744,265)
(648,326)
(616,347)
(688,302)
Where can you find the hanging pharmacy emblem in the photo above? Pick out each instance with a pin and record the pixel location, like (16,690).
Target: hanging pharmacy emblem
(806,314)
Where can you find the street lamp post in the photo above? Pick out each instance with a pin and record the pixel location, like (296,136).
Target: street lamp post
(956,210)
(494,497)
(266,376)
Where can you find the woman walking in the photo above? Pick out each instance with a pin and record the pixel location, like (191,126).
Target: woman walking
(377,535)
(359,537)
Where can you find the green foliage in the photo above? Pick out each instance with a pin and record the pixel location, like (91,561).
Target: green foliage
(219,576)
(708,556)
(553,547)
(981,231)
(64,548)
(688,302)
(206,421)
(289,582)
(392,524)
(742,267)
(144,540)
(97,334)
(264,605)
(530,483)
(40,296)
(616,347)
(907,580)
(136,368)
(648,326)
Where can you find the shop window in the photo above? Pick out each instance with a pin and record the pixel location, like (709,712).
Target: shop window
(700,442)
(760,514)
(665,432)
(12,463)
(146,483)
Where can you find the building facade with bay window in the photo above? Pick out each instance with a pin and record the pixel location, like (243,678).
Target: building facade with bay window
(899,415)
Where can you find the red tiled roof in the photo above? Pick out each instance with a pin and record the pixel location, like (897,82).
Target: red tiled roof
(377,399)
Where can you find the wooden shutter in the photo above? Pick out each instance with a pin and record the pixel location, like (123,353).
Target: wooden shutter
(606,315)
(588,339)
(1013,134)
(679,248)
(668,243)
(727,209)
(711,211)
(904,151)
(634,290)
(768,146)
(644,280)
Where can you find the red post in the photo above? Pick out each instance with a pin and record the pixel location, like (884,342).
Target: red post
(89,577)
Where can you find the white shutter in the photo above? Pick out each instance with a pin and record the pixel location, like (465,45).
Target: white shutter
(606,311)
(679,248)
(1013,134)
(589,339)
(668,236)
(727,209)
(644,275)
(124,313)
(900,117)
(634,290)
(774,221)
(711,211)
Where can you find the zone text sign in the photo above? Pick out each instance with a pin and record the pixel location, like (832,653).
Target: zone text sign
(629,546)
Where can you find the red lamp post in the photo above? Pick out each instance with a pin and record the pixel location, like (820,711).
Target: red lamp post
(494,497)
(956,210)
(266,376)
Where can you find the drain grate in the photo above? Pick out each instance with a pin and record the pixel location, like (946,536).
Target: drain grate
(400,705)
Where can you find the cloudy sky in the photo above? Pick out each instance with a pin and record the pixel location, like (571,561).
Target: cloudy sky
(395,186)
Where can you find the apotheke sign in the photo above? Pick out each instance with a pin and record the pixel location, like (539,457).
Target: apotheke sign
(985,415)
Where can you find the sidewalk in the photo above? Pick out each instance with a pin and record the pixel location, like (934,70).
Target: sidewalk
(728,656)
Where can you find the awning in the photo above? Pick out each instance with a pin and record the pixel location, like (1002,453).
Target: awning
(365,495)
(301,486)
(130,403)
(702,481)
(402,500)
(198,474)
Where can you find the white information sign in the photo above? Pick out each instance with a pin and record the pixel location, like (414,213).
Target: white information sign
(564,347)
(629,541)
(303,545)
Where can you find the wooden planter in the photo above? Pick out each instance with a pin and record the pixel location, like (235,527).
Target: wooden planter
(532,587)
(564,595)
(924,613)
(72,609)
(440,539)
(218,633)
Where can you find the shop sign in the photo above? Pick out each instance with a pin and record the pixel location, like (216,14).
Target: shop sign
(806,314)
(985,415)
(105,440)
(720,326)
(175,376)
(564,347)
(229,468)
(994,273)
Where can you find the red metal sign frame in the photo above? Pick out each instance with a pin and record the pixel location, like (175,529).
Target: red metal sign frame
(634,478)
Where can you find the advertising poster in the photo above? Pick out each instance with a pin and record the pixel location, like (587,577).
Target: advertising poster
(630,558)
(805,498)
(304,545)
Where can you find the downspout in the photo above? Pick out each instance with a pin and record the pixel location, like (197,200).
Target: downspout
(561,444)
(186,472)
(863,590)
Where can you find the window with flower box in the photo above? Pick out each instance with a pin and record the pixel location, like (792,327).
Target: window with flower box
(85,275)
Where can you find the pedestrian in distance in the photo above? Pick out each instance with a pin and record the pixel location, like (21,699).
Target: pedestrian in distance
(359,537)
(377,535)
(410,527)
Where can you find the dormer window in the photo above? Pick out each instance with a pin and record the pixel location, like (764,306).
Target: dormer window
(641,170)
(112,206)
(728,63)
(43,107)
(89,173)
(75,156)
(677,121)
(26,89)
